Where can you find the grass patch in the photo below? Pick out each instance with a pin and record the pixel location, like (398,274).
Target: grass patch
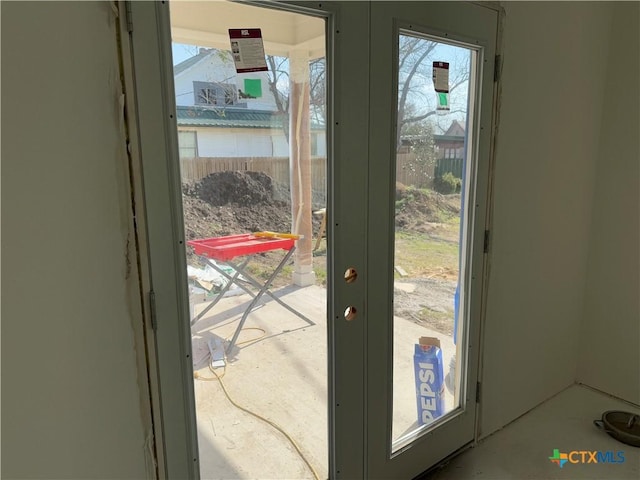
(321,276)
(428,315)
(422,256)
(262,267)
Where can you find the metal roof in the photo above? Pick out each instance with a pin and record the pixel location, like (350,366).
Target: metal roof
(448,138)
(189,62)
(230,117)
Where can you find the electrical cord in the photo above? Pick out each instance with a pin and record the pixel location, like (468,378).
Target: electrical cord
(274,425)
(251,340)
(212,368)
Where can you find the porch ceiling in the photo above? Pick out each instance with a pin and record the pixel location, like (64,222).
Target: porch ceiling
(206,24)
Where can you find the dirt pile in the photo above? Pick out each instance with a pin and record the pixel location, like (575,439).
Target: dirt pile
(239,188)
(228,203)
(417,210)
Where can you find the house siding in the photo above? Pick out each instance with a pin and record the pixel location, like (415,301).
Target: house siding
(248,142)
(214,69)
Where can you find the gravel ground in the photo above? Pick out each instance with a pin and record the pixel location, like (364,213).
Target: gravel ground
(430,302)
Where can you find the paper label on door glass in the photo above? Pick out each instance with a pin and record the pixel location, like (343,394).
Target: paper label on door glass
(441,76)
(443,102)
(247,49)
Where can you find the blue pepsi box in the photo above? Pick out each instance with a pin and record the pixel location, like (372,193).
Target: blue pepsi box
(429,374)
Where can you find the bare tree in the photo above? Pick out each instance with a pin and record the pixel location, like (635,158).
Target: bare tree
(279,86)
(317,90)
(278,74)
(415,102)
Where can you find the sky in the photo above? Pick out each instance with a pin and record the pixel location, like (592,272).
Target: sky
(181,52)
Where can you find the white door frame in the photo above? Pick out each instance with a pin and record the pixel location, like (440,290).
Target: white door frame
(151,107)
(150,111)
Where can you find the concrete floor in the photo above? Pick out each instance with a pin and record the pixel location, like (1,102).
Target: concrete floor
(522,449)
(282,376)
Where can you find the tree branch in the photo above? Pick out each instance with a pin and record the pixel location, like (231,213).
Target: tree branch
(273,85)
(427,115)
(407,84)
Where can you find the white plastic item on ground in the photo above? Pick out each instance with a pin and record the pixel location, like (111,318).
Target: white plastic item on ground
(212,276)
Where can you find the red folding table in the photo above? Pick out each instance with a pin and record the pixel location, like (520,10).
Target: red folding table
(223,250)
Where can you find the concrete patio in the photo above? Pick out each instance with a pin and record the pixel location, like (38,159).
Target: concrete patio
(282,376)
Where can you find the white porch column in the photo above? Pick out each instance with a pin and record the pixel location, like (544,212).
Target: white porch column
(300,165)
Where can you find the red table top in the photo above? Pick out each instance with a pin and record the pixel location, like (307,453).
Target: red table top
(226,248)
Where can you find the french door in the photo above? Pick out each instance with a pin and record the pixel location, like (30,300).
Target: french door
(408,122)
(452,112)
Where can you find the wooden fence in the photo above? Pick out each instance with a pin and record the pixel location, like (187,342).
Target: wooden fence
(276,167)
(411,173)
(408,171)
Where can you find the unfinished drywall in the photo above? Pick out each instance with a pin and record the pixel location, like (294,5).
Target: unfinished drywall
(610,342)
(71,404)
(547,145)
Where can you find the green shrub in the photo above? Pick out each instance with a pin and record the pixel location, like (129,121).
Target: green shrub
(447,184)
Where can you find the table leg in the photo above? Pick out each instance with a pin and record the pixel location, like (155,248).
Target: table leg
(239,269)
(263,289)
(258,285)
(231,281)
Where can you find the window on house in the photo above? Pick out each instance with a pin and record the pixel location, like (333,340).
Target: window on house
(187,144)
(209,93)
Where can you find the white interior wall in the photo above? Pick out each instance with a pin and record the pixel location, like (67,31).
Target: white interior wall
(551,109)
(609,349)
(72,406)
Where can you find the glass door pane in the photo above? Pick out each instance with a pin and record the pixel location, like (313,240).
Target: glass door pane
(435,102)
(253,161)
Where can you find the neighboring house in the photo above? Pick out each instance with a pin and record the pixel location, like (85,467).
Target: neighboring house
(235,132)
(210,79)
(221,113)
(451,143)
